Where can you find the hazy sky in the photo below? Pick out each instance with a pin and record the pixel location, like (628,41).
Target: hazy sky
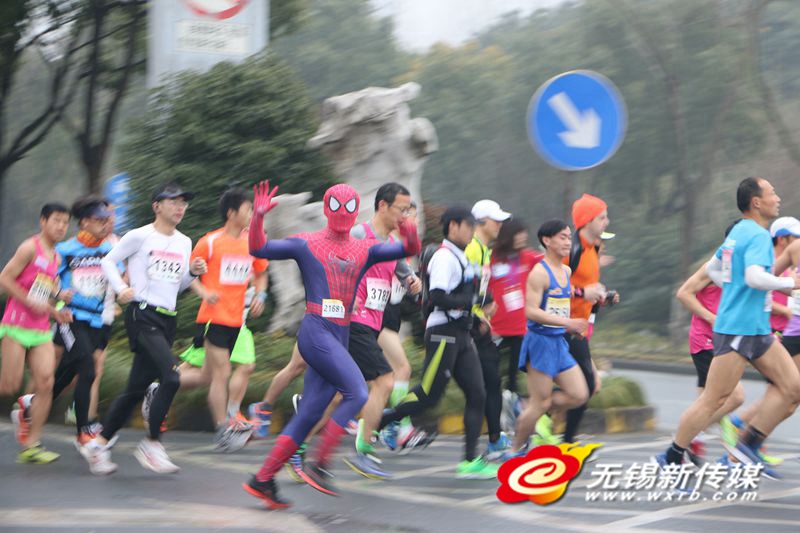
(420,23)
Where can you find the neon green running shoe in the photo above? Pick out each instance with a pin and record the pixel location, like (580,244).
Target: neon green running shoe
(769,459)
(36,455)
(728,431)
(544,433)
(478,468)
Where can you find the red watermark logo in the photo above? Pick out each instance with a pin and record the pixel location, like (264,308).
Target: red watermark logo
(543,474)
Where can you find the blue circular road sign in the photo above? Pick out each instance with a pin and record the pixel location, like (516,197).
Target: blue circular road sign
(576,120)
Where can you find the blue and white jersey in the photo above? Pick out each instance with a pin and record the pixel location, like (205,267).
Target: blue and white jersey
(81,272)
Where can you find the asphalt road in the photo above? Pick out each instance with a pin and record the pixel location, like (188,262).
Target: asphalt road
(424,496)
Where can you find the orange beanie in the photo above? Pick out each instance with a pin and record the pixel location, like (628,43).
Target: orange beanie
(585,209)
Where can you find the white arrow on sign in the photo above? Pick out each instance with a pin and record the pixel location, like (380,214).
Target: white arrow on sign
(583,129)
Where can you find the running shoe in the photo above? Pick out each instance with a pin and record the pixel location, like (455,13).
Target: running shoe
(36,455)
(388,436)
(769,459)
(69,415)
(319,478)
(728,432)
(232,437)
(696,452)
(266,491)
(419,439)
(352,427)
(21,426)
(148,401)
(296,398)
(151,455)
(261,418)
(508,418)
(544,432)
(496,449)
(367,466)
(94,428)
(746,455)
(296,463)
(98,457)
(478,468)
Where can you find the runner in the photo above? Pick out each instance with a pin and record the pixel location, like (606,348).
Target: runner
(490,219)
(222,336)
(742,332)
(512,261)
(701,296)
(158,259)
(83,280)
(392,205)
(545,354)
(453,287)
(331,263)
(590,217)
(401,435)
(30,279)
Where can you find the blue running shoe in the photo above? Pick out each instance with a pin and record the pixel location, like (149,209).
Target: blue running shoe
(261,418)
(367,466)
(496,449)
(296,464)
(746,455)
(388,436)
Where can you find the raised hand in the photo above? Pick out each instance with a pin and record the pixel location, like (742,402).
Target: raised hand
(263,198)
(408,231)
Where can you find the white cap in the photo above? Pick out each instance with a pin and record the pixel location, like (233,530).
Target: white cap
(489,209)
(785,226)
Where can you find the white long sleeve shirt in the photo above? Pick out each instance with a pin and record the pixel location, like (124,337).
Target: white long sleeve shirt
(158,265)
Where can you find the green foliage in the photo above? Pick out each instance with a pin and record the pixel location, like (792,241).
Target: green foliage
(234,124)
(618,391)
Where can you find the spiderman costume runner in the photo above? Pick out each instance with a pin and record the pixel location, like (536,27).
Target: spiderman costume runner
(331,264)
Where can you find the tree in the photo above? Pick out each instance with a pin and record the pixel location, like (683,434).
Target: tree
(24,26)
(342,47)
(233,124)
(113,51)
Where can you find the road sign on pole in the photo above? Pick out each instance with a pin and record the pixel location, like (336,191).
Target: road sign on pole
(576,120)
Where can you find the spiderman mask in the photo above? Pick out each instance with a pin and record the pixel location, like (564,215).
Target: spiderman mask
(341,207)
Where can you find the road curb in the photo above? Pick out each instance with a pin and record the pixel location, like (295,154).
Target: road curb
(672,368)
(611,420)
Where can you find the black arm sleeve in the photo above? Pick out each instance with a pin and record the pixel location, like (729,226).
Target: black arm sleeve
(446,302)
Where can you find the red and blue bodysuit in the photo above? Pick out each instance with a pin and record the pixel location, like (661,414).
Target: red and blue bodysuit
(331,264)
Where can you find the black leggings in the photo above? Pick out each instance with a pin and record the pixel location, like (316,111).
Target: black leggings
(449,351)
(512,345)
(150,335)
(490,368)
(579,349)
(80,341)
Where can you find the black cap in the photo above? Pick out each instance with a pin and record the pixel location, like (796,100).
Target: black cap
(458,213)
(171,190)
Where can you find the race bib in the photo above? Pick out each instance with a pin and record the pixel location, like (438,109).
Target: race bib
(235,270)
(67,336)
(41,289)
(378,292)
(501,270)
(557,307)
(727,265)
(89,282)
(398,291)
(514,300)
(794,302)
(332,308)
(768,302)
(165,266)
